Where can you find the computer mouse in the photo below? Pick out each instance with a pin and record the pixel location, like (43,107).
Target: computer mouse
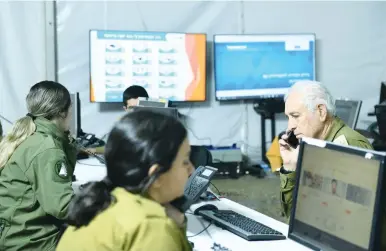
(208,207)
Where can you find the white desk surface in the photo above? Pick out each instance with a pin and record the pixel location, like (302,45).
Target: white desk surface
(92,170)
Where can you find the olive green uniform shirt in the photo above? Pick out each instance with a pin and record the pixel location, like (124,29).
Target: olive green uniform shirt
(340,134)
(35,190)
(132,223)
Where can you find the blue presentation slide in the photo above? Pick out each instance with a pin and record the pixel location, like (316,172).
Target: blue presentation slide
(261,65)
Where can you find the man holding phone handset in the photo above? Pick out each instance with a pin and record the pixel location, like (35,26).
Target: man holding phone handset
(310,109)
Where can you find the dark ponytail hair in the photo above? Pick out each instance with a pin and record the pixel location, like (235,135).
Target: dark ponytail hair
(138,141)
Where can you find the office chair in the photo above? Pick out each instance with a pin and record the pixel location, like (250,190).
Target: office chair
(200,156)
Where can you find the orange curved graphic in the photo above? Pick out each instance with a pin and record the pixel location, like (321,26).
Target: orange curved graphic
(195,45)
(92,95)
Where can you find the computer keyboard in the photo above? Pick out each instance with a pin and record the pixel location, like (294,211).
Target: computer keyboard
(240,225)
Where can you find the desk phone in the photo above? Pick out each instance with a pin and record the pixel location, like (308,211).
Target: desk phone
(197,184)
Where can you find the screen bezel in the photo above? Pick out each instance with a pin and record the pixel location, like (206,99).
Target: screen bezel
(375,225)
(256,97)
(173,101)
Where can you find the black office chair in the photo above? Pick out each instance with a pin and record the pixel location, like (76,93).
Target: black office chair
(200,156)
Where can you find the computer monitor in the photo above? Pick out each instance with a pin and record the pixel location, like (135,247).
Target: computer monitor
(168,65)
(348,111)
(382,94)
(380,113)
(165,110)
(152,102)
(261,66)
(75,124)
(337,202)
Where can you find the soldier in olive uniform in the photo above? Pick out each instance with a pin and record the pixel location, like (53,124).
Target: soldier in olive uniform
(130,98)
(36,167)
(148,165)
(310,109)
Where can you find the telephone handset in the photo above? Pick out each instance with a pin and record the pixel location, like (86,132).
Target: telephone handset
(291,140)
(197,184)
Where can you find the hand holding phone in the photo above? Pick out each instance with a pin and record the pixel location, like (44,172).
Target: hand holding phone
(289,150)
(292,140)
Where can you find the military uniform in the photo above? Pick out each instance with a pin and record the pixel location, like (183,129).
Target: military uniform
(340,134)
(35,190)
(132,222)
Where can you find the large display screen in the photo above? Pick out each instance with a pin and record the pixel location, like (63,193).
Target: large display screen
(261,66)
(168,65)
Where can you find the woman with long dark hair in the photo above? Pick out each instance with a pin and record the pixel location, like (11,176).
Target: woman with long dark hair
(147,159)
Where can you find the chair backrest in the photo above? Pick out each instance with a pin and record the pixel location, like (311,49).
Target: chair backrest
(200,156)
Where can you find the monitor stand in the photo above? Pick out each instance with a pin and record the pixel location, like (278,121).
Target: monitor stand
(267,108)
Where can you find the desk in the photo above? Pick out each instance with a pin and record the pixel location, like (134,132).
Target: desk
(91,170)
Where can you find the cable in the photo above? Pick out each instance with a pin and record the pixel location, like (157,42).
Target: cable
(218,191)
(88,164)
(5,119)
(210,224)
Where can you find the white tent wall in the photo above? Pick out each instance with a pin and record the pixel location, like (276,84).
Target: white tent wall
(22,55)
(211,123)
(351,59)
(351,55)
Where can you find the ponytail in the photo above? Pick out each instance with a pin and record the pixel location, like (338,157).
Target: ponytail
(21,130)
(92,199)
(95,197)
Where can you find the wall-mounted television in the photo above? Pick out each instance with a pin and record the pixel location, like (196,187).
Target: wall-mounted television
(168,65)
(261,66)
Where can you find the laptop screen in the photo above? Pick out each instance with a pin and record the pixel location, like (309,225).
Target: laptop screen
(348,111)
(167,111)
(335,199)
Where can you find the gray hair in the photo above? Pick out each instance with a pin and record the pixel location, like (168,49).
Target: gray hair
(315,93)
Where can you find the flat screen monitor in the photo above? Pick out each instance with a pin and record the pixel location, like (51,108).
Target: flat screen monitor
(348,111)
(75,123)
(380,113)
(261,66)
(168,65)
(382,95)
(337,198)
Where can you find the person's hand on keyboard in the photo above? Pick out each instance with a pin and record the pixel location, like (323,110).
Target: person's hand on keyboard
(90,151)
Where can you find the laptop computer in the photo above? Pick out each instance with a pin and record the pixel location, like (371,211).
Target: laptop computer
(348,110)
(164,110)
(337,198)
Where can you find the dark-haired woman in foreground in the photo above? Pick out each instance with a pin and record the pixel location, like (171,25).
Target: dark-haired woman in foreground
(148,165)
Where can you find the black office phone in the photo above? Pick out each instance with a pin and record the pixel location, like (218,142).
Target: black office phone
(197,184)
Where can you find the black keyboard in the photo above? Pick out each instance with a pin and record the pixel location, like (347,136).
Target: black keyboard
(242,226)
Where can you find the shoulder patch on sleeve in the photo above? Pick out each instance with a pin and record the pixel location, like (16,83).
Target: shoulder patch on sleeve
(61,169)
(341,140)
